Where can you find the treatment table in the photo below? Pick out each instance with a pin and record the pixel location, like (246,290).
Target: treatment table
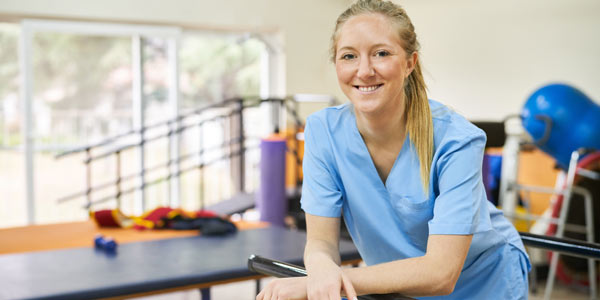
(165,262)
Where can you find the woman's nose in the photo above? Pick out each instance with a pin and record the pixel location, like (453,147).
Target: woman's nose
(365,69)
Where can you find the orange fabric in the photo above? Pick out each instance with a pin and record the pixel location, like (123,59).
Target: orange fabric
(275,138)
(537,168)
(293,167)
(152,218)
(148,220)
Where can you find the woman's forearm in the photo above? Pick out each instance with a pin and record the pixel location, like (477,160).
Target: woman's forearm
(317,251)
(435,273)
(418,276)
(322,239)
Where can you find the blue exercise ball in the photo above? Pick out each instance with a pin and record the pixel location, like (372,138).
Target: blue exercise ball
(562,119)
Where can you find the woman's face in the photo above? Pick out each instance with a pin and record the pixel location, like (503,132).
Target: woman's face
(371,64)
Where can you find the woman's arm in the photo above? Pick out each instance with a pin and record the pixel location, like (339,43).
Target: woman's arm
(322,259)
(322,241)
(325,280)
(433,274)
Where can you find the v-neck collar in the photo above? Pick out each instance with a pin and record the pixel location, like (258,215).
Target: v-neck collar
(365,151)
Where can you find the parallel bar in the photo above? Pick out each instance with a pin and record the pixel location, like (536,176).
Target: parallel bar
(88,179)
(280,269)
(242,148)
(170,132)
(275,268)
(179,118)
(562,245)
(159,180)
(201,184)
(148,170)
(118,179)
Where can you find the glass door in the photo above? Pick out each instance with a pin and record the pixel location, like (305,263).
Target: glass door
(84,82)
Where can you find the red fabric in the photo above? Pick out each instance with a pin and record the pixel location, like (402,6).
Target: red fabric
(149,220)
(205,214)
(158,213)
(105,218)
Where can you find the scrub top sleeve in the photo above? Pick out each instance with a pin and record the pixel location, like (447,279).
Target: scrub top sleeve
(460,207)
(321,196)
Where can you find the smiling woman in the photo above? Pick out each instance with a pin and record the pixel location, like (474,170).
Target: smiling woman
(402,70)
(372,72)
(430,235)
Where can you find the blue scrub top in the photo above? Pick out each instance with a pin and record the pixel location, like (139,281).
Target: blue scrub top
(392,221)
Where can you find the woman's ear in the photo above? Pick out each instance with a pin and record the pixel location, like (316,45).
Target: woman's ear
(411,62)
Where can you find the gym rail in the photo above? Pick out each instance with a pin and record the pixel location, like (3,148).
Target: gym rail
(573,247)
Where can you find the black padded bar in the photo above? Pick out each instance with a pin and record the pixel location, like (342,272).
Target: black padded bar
(274,268)
(562,245)
(280,269)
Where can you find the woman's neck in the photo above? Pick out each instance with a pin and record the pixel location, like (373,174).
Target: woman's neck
(382,127)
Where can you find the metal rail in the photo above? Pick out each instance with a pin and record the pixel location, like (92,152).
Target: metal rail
(235,148)
(562,245)
(156,167)
(280,269)
(567,246)
(253,102)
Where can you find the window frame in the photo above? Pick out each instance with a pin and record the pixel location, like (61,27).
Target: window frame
(272,84)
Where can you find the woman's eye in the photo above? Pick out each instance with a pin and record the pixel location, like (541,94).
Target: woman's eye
(382,53)
(348,56)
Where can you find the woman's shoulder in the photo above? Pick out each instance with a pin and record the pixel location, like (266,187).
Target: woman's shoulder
(326,129)
(451,127)
(330,118)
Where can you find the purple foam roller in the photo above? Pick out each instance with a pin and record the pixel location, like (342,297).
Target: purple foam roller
(271,201)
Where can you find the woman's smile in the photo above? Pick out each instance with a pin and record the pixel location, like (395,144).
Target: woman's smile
(368,89)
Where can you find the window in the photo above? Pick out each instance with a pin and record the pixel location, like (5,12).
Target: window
(81,94)
(12,185)
(86,82)
(215,67)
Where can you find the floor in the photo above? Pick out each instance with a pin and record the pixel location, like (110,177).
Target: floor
(560,292)
(245,291)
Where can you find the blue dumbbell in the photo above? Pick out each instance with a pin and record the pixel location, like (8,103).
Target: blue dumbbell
(107,244)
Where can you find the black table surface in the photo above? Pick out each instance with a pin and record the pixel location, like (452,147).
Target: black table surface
(141,267)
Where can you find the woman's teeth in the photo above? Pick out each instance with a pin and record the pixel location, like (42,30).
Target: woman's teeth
(368,88)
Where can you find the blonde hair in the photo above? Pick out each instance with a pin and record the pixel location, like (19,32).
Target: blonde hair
(419,124)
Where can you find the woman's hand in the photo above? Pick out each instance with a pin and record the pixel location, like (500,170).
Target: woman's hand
(293,288)
(328,282)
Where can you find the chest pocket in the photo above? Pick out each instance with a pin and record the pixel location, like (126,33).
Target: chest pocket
(409,203)
(413,214)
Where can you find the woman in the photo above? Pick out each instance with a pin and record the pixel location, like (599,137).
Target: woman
(405,172)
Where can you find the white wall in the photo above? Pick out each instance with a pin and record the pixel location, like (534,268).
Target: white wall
(481,57)
(484,57)
(305,26)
